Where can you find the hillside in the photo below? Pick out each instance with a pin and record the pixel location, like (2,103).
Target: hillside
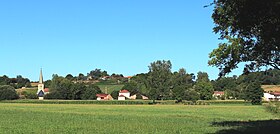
(110,88)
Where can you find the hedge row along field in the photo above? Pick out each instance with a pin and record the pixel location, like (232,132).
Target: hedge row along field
(139,119)
(130,102)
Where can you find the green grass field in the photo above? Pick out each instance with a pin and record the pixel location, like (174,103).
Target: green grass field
(142,119)
(110,88)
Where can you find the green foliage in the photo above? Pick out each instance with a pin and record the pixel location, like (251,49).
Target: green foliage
(273,107)
(191,95)
(254,93)
(159,79)
(17,82)
(8,93)
(90,92)
(30,94)
(252,30)
(203,86)
(115,94)
(62,88)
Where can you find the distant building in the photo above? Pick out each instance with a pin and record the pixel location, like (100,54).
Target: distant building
(138,96)
(218,94)
(121,97)
(104,97)
(40,91)
(123,94)
(273,96)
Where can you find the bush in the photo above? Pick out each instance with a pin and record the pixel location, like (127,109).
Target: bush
(29,95)
(8,93)
(273,107)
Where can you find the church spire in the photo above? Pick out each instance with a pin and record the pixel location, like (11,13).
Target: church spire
(41,77)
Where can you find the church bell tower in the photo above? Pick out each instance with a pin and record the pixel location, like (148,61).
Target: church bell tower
(40,91)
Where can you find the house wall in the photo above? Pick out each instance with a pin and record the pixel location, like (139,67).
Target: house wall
(125,94)
(121,98)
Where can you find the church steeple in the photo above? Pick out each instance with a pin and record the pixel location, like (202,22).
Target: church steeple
(41,77)
(40,91)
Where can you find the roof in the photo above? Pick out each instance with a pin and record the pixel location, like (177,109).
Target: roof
(124,91)
(46,90)
(101,95)
(276,93)
(121,95)
(41,77)
(219,92)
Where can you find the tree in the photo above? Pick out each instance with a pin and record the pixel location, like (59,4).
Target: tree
(8,93)
(181,83)
(90,92)
(132,87)
(252,31)
(159,79)
(254,93)
(115,94)
(69,77)
(203,86)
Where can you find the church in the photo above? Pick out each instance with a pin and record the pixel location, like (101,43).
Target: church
(40,91)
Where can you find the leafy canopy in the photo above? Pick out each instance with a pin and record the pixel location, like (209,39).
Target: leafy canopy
(251,29)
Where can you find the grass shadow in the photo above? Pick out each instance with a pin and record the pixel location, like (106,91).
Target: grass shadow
(249,127)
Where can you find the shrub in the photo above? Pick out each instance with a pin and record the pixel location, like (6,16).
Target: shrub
(8,93)
(273,107)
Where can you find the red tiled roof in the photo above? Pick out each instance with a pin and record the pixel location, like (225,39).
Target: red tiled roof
(46,90)
(101,95)
(219,92)
(276,93)
(121,95)
(124,91)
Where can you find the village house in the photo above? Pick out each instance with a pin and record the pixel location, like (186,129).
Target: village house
(135,96)
(218,94)
(104,97)
(272,96)
(123,94)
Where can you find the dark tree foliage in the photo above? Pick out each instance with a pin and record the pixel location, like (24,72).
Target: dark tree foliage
(8,93)
(254,93)
(97,73)
(159,79)
(252,29)
(115,94)
(17,82)
(132,87)
(90,92)
(203,86)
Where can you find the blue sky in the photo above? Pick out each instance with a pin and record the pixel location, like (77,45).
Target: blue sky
(120,36)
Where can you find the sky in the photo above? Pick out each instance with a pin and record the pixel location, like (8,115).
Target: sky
(120,36)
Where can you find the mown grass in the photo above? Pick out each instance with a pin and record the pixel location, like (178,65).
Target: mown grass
(150,119)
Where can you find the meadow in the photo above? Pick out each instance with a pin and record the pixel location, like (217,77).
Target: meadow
(161,119)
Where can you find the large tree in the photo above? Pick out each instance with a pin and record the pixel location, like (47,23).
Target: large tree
(251,29)
(159,79)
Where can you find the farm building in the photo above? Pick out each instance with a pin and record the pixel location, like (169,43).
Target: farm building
(139,96)
(125,93)
(121,97)
(218,94)
(273,96)
(104,97)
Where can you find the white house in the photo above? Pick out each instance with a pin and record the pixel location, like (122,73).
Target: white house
(274,96)
(121,97)
(124,93)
